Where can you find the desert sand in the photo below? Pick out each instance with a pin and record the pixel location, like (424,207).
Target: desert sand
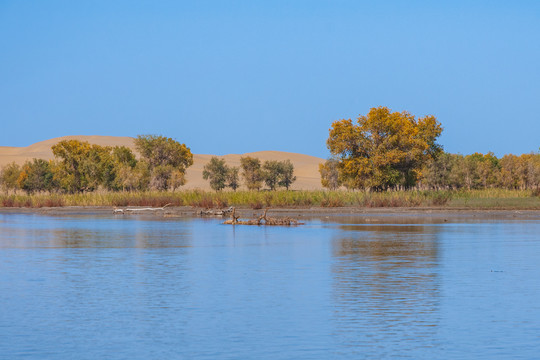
(306,167)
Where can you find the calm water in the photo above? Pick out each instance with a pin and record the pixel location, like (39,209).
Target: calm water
(113,287)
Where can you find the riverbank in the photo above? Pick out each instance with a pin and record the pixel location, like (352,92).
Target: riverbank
(338,214)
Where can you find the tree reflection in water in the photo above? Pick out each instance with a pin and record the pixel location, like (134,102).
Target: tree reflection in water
(130,233)
(386,287)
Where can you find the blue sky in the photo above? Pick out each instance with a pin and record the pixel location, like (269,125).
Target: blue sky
(241,76)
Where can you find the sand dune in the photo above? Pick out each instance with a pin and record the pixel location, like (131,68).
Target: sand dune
(305,166)
(42,149)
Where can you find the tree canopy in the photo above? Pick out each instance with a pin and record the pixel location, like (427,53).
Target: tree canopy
(85,167)
(384,149)
(73,172)
(35,176)
(9,177)
(330,174)
(251,172)
(163,151)
(381,150)
(278,174)
(221,175)
(216,170)
(482,171)
(167,160)
(233,180)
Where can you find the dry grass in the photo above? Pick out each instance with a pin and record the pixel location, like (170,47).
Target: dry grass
(475,199)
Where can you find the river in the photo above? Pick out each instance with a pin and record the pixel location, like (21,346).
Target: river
(100,286)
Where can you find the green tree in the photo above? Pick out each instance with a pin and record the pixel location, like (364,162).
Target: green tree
(470,170)
(178,178)
(271,173)
(140,176)
(489,170)
(160,177)
(35,176)
(69,170)
(330,174)
(437,172)
(9,177)
(233,180)
(458,173)
(163,156)
(384,149)
(251,172)
(528,169)
(125,162)
(278,174)
(98,167)
(216,170)
(509,178)
(124,179)
(82,166)
(286,176)
(124,155)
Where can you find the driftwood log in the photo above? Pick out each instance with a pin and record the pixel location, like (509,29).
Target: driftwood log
(210,212)
(126,210)
(262,220)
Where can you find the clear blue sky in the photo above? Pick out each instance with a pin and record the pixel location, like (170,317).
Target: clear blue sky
(240,76)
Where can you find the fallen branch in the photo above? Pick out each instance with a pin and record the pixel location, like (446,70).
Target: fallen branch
(122,211)
(215,212)
(287,221)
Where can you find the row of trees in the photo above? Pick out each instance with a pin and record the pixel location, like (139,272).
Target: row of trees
(273,173)
(455,171)
(379,151)
(80,166)
(395,150)
(482,171)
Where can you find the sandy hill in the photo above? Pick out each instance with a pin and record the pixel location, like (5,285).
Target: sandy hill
(306,168)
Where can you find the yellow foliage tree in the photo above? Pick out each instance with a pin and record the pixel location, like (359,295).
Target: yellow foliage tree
(384,149)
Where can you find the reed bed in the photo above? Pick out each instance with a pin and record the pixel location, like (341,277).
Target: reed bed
(474,199)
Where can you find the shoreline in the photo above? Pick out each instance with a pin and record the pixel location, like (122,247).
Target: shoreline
(297,212)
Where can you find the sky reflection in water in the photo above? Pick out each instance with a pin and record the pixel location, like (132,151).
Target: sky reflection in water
(135,287)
